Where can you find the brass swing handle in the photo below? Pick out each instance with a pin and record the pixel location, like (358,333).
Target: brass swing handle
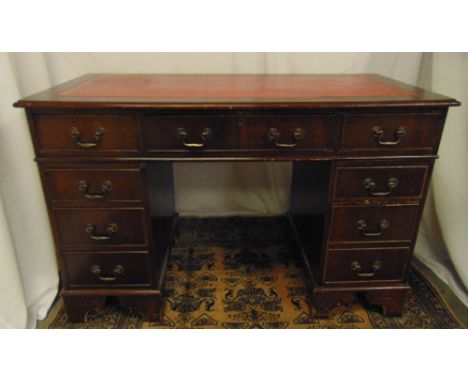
(356,268)
(83,187)
(378,134)
(274,135)
(369,185)
(362,227)
(182,134)
(111,229)
(116,271)
(98,135)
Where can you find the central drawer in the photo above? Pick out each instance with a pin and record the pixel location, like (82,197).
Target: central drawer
(101,228)
(209,133)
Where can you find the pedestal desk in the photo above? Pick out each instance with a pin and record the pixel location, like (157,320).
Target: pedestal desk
(362,148)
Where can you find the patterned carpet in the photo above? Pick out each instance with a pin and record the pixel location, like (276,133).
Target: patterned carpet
(244,273)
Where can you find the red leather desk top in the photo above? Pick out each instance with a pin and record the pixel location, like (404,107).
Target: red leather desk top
(269,87)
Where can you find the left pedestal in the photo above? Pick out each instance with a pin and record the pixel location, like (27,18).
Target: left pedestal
(113,226)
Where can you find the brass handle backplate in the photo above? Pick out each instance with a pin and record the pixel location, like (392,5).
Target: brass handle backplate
(362,227)
(116,271)
(111,229)
(357,268)
(370,185)
(83,187)
(274,136)
(98,135)
(378,135)
(182,134)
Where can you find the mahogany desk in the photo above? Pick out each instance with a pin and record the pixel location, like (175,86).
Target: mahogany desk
(362,148)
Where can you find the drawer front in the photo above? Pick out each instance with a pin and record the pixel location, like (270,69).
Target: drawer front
(373,224)
(391,134)
(85,134)
(240,133)
(107,269)
(377,182)
(101,228)
(92,186)
(366,265)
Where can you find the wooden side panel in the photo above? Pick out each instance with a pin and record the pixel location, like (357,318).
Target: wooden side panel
(309,202)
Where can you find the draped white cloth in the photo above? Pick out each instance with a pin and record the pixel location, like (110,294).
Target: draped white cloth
(29,279)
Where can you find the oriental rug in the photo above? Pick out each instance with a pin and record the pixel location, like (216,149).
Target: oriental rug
(238,273)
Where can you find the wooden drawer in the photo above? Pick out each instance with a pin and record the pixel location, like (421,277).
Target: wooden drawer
(377,182)
(100,228)
(366,265)
(93,186)
(85,134)
(306,132)
(391,133)
(106,269)
(373,224)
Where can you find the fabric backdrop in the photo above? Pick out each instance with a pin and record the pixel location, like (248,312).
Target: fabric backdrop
(29,281)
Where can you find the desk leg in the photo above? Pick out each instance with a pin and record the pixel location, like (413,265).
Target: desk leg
(77,307)
(323,303)
(392,301)
(150,308)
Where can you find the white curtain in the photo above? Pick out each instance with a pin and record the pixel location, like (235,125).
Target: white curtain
(443,237)
(27,256)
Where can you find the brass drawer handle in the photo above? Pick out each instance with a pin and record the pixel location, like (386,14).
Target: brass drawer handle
(356,268)
(182,134)
(362,227)
(274,135)
(98,135)
(116,271)
(111,229)
(399,135)
(83,187)
(369,185)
